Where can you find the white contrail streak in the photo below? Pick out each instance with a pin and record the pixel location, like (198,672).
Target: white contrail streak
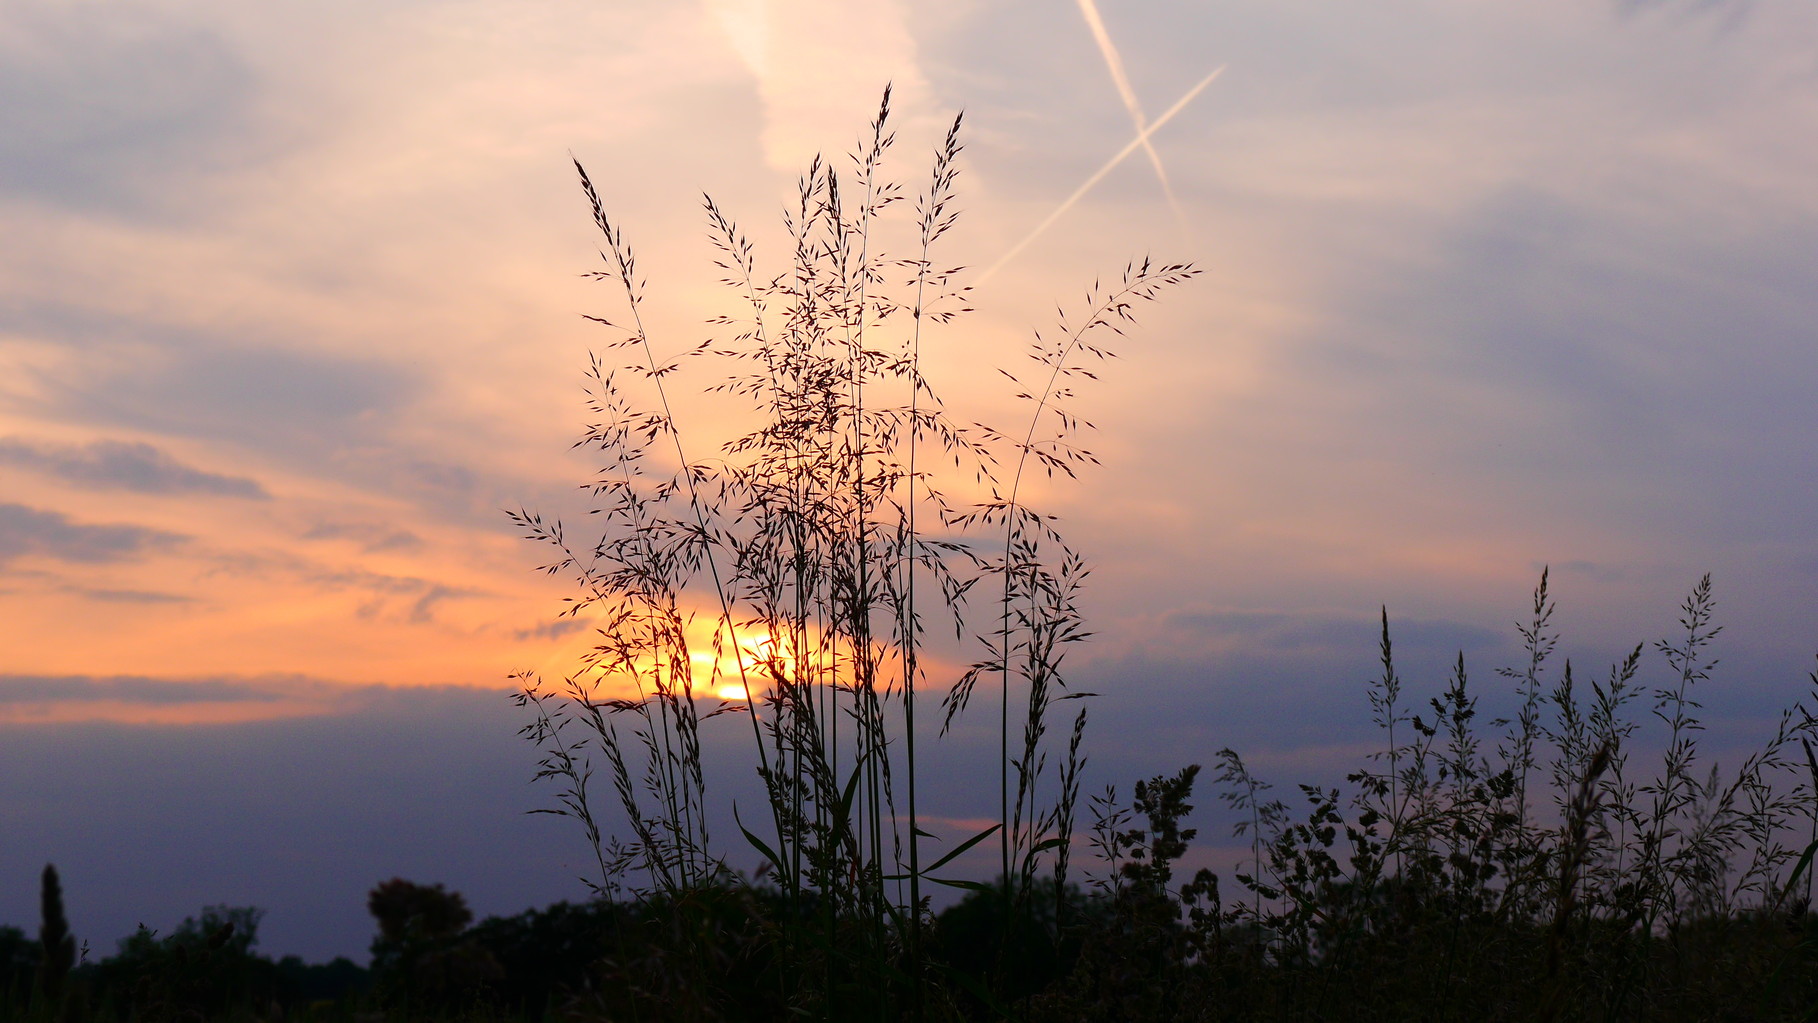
(1138,142)
(1115,64)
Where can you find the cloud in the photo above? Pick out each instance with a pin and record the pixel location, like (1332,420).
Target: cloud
(1272,632)
(131,596)
(27,531)
(819,63)
(1733,13)
(423,610)
(569,626)
(419,597)
(1648,353)
(107,103)
(16,689)
(190,701)
(1195,680)
(273,396)
(1142,139)
(123,465)
(371,538)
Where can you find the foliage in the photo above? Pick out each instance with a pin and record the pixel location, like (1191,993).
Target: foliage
(1535,874)
(199,969)
(19,956)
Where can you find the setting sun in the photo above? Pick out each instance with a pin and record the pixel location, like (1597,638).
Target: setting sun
(758,659)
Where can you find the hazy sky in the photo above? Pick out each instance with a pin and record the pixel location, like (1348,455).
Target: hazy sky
(289,314)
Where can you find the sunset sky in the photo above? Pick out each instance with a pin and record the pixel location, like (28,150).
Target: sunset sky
(290,314)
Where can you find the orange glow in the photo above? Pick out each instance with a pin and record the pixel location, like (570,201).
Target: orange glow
(753,658)
(756,657)
(756,654)
(727,677)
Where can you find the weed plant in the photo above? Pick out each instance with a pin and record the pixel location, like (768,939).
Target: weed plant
(1537,872)
(807,563)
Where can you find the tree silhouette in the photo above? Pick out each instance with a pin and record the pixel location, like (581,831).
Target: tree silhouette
(59,945)
(421,955)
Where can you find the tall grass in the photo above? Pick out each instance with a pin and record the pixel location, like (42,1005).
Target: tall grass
(805,565)
(1534,870)
(816,574)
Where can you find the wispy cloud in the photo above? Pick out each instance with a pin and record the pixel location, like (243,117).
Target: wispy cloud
(371,538)
(552,630)
(1732,12)
(113,596)
(123,465)
(136,689)
(179,700)
(120,101)
(802,54)
(283,397)
(1278,632)
(26,531)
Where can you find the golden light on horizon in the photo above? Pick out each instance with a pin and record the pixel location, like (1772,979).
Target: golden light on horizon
(754,658)
(758,657)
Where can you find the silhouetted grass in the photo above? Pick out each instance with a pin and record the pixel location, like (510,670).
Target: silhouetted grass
(1530,869)
(1535,872)
(806,562)
(1639,884)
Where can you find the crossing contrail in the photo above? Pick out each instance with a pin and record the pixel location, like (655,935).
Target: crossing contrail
(1141,140)
(1115,64)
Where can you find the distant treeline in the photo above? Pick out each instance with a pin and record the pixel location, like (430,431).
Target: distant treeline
(1435,941)
(429,960)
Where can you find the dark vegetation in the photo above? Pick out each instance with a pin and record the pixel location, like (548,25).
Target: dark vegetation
(1581,859)
(1543,866)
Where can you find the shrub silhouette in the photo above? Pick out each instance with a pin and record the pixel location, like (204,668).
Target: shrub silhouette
(549,958)
(199,970)
(19,958)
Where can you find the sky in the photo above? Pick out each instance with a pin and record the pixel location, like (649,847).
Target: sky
(291,314)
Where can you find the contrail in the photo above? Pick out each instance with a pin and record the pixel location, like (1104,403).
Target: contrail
(1115,63)
(1141,140)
